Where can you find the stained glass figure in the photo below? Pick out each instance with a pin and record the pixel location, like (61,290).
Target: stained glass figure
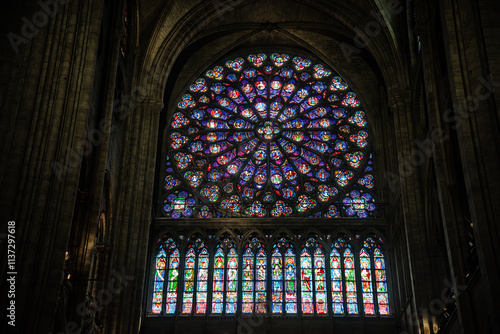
(320,282)
(314,289)
(381,282)
(350,282)
(306,282)
(173,279)
(232,282)
(202,284)
(366,281)
(254,280)
(261,281)
(248,281)
(179,204)
(269,123)
(158,282)
(290,282)
(189,274)
(218,281)
(277,281)
(337,283)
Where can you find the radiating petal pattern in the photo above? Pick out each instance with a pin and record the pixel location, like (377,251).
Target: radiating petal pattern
(271,134)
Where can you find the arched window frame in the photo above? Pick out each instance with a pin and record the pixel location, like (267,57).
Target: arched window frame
(350,279)
(166,281)
(230,279)
(195,279)
(378,285)
(286,301)
(258,280)
(318,278)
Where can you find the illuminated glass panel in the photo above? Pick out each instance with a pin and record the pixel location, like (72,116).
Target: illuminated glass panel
(366,281)
(218,282)
(306,282)
(248,281)
(189,274)
(158,282)
(277,284)
(232,282)
(173,278)
(202,284)
(260,294)
(269,123)
(350,282)
(336,277)
(290,282)
(381,282)
(320,282)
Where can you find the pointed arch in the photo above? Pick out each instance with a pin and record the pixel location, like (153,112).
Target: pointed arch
(166,277)
(373,274)
(254,269)
(284,277)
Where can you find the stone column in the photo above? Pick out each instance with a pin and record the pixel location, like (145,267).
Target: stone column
(475,114)
(438,145)
(413,215)
(48,109)
(132,218)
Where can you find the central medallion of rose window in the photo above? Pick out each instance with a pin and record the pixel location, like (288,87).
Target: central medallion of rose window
(268,130)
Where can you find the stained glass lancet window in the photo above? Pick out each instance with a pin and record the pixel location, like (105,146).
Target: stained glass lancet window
(254,279)
(218,281)
(346,266)
(381,282)
(373,276)
(189,274)
(366,281)
(195,278)
(306,282)
(336,279)
(166,278)
(248,280)
(269,135)
(277,281)
(350,281)
(284,279)
(313,279)
(225,291)
(158,282)
(320,281)
(202,284)
(232,282)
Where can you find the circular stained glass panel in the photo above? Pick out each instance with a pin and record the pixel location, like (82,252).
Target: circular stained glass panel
(271,133)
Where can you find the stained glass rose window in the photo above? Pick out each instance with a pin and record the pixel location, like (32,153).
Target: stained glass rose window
(271,135)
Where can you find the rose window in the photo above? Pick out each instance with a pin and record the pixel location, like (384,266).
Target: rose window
(271,135)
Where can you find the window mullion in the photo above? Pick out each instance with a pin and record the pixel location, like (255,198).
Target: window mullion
(328,282)
(374,284)
(343,282)
(359,284)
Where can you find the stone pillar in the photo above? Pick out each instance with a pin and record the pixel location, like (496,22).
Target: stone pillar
(438,145)
(48,109)
(475,114)
(413,215)
(132,218)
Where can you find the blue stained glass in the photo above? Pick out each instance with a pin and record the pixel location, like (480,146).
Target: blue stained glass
(270,122)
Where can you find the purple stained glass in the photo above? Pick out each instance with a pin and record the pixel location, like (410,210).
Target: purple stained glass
(255,134)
